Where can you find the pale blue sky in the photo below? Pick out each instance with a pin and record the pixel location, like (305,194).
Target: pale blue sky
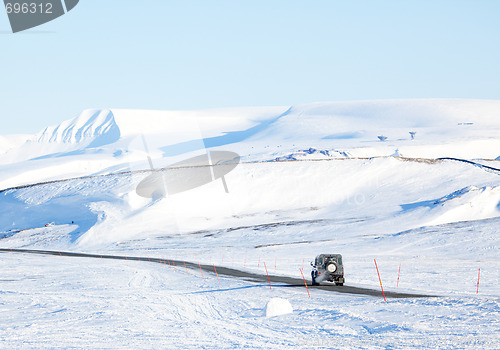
(184,54)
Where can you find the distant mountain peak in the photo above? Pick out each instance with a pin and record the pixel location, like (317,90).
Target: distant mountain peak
(92,128)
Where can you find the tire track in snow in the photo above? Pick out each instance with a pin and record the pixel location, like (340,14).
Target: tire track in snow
(229,272)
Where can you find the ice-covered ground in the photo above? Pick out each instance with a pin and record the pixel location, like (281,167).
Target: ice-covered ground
(53,302)
(311,179)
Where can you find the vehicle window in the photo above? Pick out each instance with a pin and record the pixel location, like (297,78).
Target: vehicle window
(340,261)
(319,261)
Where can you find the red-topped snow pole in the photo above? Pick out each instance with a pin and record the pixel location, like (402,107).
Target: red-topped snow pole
(267,275)
(399,271)
(201,270)
(378,273)
(216,273)
(307,288)
(478,275)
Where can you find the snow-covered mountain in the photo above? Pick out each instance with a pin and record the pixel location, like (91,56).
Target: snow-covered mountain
(441,128)
(364,179)
(339,123)
(92,128)
(107,142)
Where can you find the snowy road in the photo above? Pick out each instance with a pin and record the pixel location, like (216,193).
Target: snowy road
(221,270)
(59,302)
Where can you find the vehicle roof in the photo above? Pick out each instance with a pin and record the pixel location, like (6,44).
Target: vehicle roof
(328,255)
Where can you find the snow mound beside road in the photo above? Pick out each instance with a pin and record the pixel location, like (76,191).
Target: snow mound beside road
(277,307)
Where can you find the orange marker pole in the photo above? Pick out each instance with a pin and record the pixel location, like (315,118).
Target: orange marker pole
(275,258)
(478,275)
(378,273)
(307,288)
(186,267)
(216,273)
(201,270)
(399,271)
(267,275)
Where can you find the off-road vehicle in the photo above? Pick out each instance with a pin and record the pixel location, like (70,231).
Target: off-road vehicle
(327,267)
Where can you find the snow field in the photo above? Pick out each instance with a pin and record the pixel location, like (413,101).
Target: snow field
(341,190)
(119,304)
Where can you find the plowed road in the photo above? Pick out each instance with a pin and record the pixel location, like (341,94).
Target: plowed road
(233,273)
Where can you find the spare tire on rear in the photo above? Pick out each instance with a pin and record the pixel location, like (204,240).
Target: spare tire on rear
(331,267)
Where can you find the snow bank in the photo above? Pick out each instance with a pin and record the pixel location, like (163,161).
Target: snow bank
(471,203)
(278,306)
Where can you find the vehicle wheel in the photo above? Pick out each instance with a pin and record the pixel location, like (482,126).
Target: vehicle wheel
(313,279)
(339,284)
